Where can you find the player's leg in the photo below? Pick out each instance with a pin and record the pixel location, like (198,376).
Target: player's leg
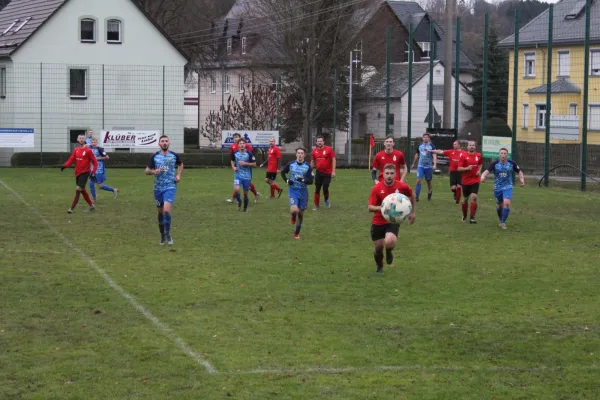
(420,175)
(246,185)
(453,184)
(465,203)
(158,198)
(326,184)
(499,204)
(293,201)
(428,178)
(169,199)
(302,205)
(474,191)
(378,238)
(458,193)
(274,186)
(93,189)
(507,197)
(269,182)
(81,182)
(253,190)
(318,185)
(100,180)
(391,237)
(236,193)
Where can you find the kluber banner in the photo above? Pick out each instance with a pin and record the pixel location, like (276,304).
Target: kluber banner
(16,137)
(257,139)
(112,139)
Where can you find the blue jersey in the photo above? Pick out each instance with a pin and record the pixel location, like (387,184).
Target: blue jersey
(503,174)
(425,157)
(300,174)
(243,172)
(167,163)
(88,141)
(99,152)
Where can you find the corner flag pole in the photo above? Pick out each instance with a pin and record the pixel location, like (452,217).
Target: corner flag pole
(371,145)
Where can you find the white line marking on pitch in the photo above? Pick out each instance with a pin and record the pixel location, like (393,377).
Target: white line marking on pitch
(33,251)
(164,328)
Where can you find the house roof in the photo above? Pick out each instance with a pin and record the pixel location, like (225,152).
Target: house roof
(35,13)
(565,30)
(411,12)
(557,87)
(375,87)
(436,116)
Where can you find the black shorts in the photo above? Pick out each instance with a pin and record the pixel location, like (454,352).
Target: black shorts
(82,179)
(272,175)
(468,189)
(455,178)
(378,232)
(322,179)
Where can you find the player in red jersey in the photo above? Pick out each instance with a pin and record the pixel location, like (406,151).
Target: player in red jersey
(83,157)
(274,155)
(323,162)
(383,233)
(454,156)
(234,148)
(389,156)
(470,165)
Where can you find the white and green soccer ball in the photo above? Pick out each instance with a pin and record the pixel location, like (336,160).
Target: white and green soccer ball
(396,208)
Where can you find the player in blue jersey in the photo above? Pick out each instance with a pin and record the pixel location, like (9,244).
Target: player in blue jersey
(100,177)
(427,164)
(166,168)
(503,183)
(242,162)
(300,176)
(88,137)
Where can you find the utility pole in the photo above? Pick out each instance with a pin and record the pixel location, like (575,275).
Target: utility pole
(449,17)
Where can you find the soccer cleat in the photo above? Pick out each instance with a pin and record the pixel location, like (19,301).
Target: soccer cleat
(503,225)
(245,210)
(70,211)
(327,203)
(256,197)
(92,208)
(163,240)
(464,218)
(229,200)
(472,220)
(379,270)
(169,239)
(429,196)
(315,208)
(293,221)
(417,199)
(279,193)
(239,208)
(389,257)
(115,194)
(296,236)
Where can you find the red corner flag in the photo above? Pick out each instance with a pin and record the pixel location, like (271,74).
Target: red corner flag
(371,141)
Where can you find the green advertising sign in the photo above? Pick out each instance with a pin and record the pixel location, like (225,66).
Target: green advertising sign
(492,144)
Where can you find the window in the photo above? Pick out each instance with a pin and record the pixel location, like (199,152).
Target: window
(3,83)
(540,120)
(572,108)
(226,83)
(594,117)
(426,49)
(73,134)
(564,63)
(113,31)
(408,52)
(595,62)
(244,44)
(529,64)
(229,46)
(525,115)
(391,119)
(242,83)
(274,85)
(77,83)
(87,32)
(213,84)
(438,92)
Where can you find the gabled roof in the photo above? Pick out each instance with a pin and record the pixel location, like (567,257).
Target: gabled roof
(35,13)
(411,12)
(565,30)
(557,87)
(375,87)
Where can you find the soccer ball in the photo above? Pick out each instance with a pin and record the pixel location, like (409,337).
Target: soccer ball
(396,208)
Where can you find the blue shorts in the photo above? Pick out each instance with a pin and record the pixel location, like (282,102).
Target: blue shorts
(100,178)
(425,172)
(244,183)
(503,194)
(164,196)
(298,199)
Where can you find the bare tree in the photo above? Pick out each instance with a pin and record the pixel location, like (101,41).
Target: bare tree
(212,127)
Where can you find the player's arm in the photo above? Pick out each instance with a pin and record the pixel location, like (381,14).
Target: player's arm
(415,160)
(487,171)
(403,168)
(179,168)
(439,152)
(94,162)
(375,169)
(233,167)
(462,167)
(373,207)
(151,167)
(103,155)
(333,165)
(414,206)
(284,172)
(518,171)
(308,178)
(251,161)
(69,161)
(434,161)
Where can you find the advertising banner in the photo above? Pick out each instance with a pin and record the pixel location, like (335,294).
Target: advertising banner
(113,139)
(257,139)
(492,144)
(16,137)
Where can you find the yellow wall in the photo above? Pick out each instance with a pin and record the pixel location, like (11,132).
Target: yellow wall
(560,102)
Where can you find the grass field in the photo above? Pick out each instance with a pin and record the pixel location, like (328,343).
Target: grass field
(93,308)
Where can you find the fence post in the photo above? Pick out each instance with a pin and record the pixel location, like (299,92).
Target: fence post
(41,115)
(548,97)
(388,34)
(431,56)
(334,106)
(409,105)
(486,33)
(513,144)
(222,111)
(103,97)
(278,99)
(457,77)
(350,113)
(586,77)
(163,101)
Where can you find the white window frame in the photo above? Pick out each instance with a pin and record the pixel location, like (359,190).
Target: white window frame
(538,112)
(227,83)
(525,115)
(85,82)
(573,108)
(94,29)
(229,46)
(426,49)
(533,61)
(596,108)
(242,82)
(566,65)
(407,52)
(595,67)
(120,22)
(213,84)
(244,44)
(2,82)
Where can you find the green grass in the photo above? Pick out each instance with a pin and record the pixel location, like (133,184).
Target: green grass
(465,312)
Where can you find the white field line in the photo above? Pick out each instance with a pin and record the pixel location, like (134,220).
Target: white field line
(155,321)
(33,251)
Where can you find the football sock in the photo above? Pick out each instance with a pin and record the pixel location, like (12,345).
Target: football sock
(499,212)
(326,193)
(272,191)
(233,195)
(458,194)
(167,222)
(107,188)
(276,187)
(418,189)
(93,190)
(238,198)
(299,223)
(454,193)
(252,188)
(86,196)
(473,209)
(245,201)
(294,217)
(161,227)
(317,199)
(465,207)
(505,212)
(75,199)
(378,256)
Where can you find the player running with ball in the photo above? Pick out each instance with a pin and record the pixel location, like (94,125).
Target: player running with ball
(300,176)
(503,183)
(383,233)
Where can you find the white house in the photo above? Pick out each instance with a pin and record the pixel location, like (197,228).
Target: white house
(70,65)
(370,104)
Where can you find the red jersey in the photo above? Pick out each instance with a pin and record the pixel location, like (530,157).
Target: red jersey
(470,177)
(83,157)
(380,191)
(323,159)
(235,147)
(273,160)
(382,158)
(454,156)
